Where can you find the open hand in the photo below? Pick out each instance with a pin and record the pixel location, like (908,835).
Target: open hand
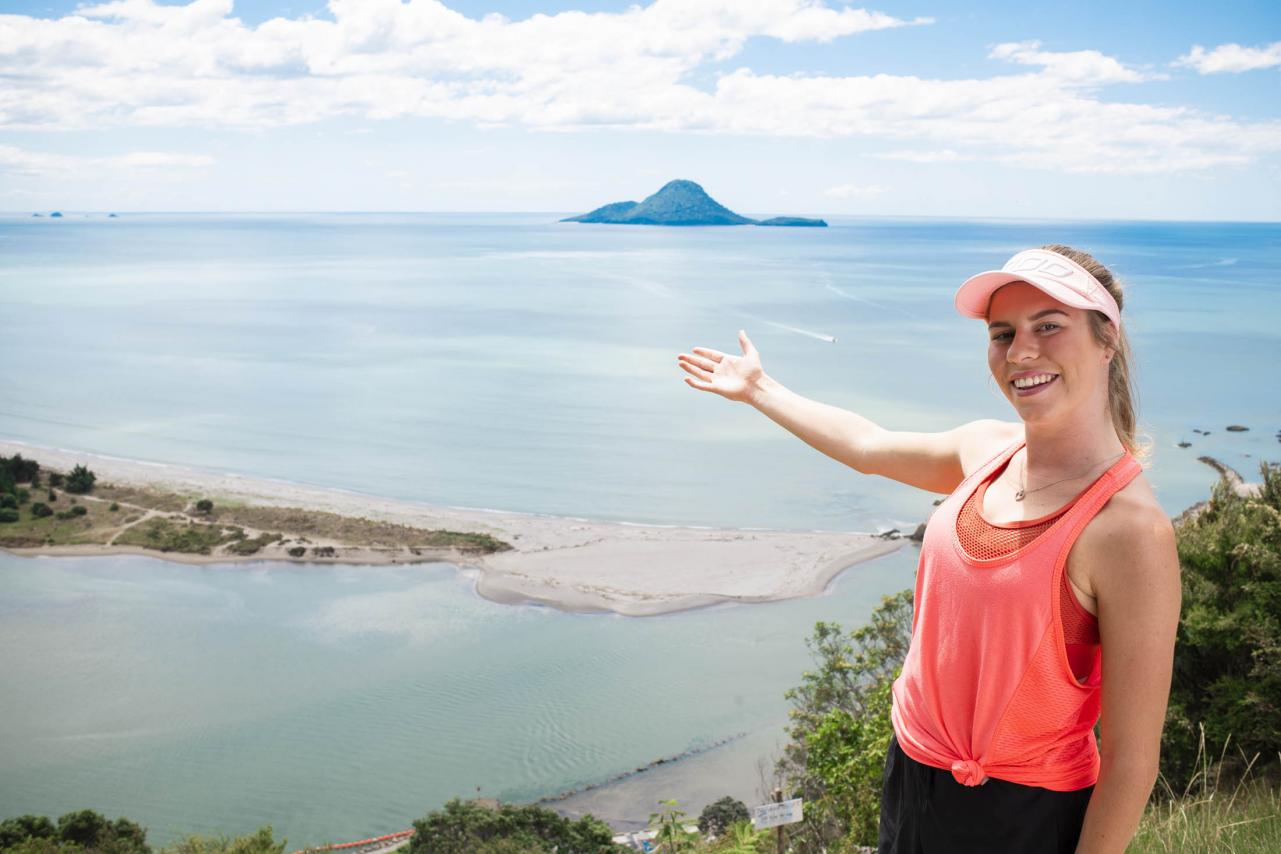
(732,377)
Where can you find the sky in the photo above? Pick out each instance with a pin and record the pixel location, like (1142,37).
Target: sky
(1083,110)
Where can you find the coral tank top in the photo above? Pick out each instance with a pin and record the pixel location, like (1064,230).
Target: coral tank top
(985,540)
(987,689)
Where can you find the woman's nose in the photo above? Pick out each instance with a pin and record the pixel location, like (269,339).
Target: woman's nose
(1024,346)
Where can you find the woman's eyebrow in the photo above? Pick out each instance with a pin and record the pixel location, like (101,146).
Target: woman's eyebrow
(1042,313)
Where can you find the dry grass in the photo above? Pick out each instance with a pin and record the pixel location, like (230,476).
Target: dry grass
(186,530)
(351,531)
(95,527)
(1213,814)
(151,499)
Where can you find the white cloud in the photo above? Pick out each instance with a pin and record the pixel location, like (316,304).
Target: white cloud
(26,162)
(134,63)
(944,155)
(855,191)
(1083,67)
(1231,58)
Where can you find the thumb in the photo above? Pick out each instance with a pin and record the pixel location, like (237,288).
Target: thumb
(745,342)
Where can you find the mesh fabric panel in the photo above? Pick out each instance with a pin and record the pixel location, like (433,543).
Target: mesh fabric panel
(982,540)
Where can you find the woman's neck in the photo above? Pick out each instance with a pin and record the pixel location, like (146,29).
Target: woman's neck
(1064,449)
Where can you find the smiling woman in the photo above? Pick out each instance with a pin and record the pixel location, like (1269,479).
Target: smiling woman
(1033,579)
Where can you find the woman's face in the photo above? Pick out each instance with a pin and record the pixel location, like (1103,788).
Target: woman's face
(1032,337)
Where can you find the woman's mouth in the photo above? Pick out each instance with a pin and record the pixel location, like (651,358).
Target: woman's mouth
(1025,386)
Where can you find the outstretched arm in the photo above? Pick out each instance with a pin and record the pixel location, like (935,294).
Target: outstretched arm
(936,462)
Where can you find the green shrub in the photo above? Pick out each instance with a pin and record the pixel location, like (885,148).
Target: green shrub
(261,842)
(8,515)
(840,726)
(39,510)
(55,478)
(8,500)
(466,827)
(164,535)
(717,817)
(15,830)
(114,507)
(75,832)
(204,505)
(252,545)
(80,480)
(53,496)
(24,495)
(17,470)
(1227,659)
(79,510)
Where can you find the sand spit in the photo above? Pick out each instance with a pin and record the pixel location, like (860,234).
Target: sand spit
(566,563)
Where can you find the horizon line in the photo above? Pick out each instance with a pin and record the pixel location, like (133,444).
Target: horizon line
(30,214)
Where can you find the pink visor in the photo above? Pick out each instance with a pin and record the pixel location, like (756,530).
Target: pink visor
(1055,274)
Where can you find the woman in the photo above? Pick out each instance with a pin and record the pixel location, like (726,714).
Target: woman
(1049,564)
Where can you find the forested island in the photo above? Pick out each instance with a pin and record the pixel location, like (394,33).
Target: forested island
(682,202)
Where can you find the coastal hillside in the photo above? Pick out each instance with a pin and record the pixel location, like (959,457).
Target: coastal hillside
(681,202)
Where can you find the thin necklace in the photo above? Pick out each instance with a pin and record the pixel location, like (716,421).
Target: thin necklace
(1024,491)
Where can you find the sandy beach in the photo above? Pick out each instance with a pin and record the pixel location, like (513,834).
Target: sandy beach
(564,562)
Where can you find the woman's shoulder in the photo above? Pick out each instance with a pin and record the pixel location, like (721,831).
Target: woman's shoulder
(985,440)
(1130,534)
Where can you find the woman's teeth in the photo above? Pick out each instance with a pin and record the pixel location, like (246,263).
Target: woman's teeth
(1028,382)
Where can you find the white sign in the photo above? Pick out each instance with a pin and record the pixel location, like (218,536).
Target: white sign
(772,815)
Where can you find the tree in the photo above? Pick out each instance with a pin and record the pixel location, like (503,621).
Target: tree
(1227,657)
(261,841)
(742,837)
(848,754)
(18,470)
(463,827)
(718,816)
(847,695)
(80,480)
(15,830)
(84,827)
(671,835)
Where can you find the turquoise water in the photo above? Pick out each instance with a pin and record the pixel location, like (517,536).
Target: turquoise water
(511,362)
(338,703)
(519,363)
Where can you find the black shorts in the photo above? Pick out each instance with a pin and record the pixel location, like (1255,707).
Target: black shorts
(925,810)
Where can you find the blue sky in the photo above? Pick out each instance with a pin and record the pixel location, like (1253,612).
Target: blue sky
(1003,109)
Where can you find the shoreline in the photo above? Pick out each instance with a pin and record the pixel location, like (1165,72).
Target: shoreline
(569,563)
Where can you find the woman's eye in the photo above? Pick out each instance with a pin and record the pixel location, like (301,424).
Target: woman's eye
(1048,326)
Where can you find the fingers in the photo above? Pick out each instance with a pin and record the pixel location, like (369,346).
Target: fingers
(745,342)
(700,371)
(714,355)
(698,385)
(704,364)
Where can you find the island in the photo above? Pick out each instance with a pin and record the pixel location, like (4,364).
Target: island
(682,202)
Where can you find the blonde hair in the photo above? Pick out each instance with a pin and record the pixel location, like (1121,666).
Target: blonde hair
(1122,394)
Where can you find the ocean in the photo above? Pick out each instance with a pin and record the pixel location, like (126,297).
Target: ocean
(513,362)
